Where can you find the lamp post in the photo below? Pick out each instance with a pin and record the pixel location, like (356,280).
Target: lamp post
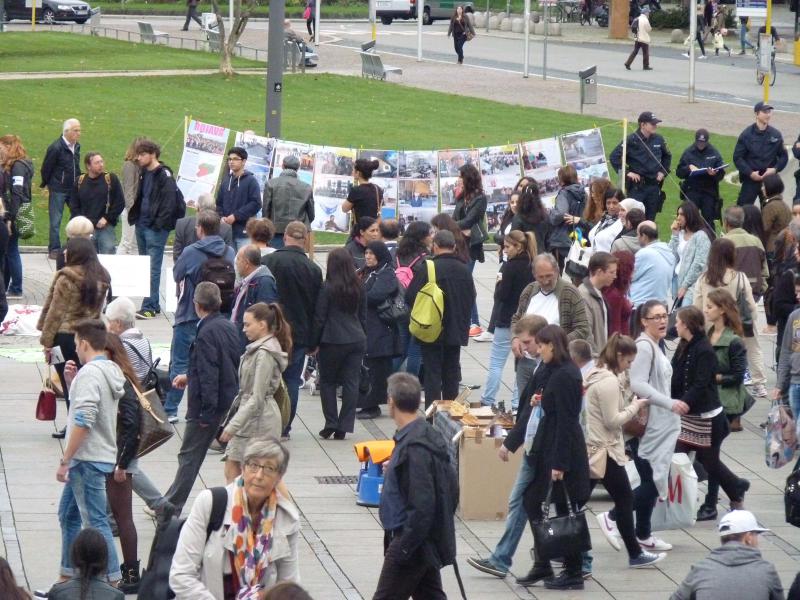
(275,49)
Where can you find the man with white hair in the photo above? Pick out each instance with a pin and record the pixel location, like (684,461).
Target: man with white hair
(288,199)
(61,168)
(186,228)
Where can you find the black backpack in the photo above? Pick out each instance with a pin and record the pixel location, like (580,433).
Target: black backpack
(155,580)
(221,272)
(635,26)
(791,496)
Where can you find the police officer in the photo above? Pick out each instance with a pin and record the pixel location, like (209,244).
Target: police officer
(648,160)
(759,152)
(700,169)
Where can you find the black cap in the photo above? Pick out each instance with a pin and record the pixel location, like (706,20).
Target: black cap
(238,151)
(701,135)
(648,117)
(761,107)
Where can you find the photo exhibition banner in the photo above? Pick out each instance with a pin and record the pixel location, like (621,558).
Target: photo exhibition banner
(202,161)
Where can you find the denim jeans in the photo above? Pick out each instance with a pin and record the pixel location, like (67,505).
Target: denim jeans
(104,240)
(501,347)
(83,504)
(144,487)
(151,243)
(743,41)
(277,241)
(474,319)
(794,399)
(515,521)
(412,354)
(13,266)
(55,211)
(183,335)
(293,378)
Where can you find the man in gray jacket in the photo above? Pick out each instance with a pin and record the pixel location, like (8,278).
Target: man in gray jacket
(735,569)
(602,273)
(288,199)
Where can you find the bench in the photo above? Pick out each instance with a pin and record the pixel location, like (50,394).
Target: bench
(94,22)
(372,66)
(148,34)
(298,54)
(215,40)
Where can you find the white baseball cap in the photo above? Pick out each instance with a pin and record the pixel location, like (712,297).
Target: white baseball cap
(739,521)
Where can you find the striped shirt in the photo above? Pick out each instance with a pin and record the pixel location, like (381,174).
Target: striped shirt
(133,338)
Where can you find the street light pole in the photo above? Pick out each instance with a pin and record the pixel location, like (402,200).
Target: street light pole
(692,36)
(316,22)
(544,48)
(768,31)
(527,17)
(420,12)
(275,49)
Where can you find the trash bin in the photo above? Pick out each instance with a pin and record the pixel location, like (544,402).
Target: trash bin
(588,79)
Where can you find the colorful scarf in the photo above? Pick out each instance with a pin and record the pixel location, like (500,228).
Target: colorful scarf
(251,549)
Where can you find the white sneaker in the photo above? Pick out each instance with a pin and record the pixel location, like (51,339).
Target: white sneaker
(173,419)
(609,529)
(486,336)
(702,57)
(686,54)
(149,512)
(760,390)
(654,544)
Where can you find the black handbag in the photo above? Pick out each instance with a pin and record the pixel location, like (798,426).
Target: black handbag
(791,497)
(364,384)
(394,309)
(567,535)
(672,317)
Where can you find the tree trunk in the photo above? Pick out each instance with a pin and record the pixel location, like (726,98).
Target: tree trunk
(225,65)
(618,19)
(227,42)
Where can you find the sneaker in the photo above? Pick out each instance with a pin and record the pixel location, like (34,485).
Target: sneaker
(655,544)
(13,295)
(686,54)
(146,314)
(760,390)
(485,566)
(475,331)
(564,581)
(149,512)
(609,529)
(173,419)
(748,380)
(707,512)
(645,559)
(486,336)
(702,57)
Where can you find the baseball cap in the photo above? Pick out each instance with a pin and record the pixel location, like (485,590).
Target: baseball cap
(296,230)
(645,10)
(739,521)
(761,107)
(238,151)
(648,117)
(701,135)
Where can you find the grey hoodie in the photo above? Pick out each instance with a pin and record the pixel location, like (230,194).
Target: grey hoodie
(730,572)
(93,395)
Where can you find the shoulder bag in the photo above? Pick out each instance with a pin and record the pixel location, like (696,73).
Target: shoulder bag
(561,536)
(598,459)
(46,404)
(154,427)
(744,307)
(638,424)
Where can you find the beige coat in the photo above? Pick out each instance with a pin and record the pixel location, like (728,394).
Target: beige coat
(607,410)
(732,279)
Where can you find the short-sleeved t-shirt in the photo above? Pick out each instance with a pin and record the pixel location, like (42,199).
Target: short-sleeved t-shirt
(365,199)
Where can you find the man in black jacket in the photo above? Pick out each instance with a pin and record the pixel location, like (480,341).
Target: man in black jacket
(61,167)
(154,212)
(98,196)
(701,169)
(418,500)
(759,152)
(442,359)
(186,227)
(213,381)
(299,280)
(239,196)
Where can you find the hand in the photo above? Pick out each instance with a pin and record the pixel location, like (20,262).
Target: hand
(682,292)
(680,407)
(640,403)
(635,177)
(674,226)
(776,394)
(180,381)
(712,172)
(660,177)
(312,352)
(719,377)
(62,474)
(692,168)
(225,437)
(502,453)
(101,223)
(70,370)
(47,353)
(557,475)
(466,232)
(769,171)
(516,347)
(120,475)
(536,400)
(10,227)
(229,219)
(755,176)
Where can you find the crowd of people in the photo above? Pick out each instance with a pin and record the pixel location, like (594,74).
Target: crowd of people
(594,387)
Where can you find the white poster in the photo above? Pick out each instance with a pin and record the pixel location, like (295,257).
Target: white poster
(304,153)
(541,160)
(259,154)
(584,151)
(385,177)
(417,193)
(500,171)
(333,178)
(130,274)
(202,161)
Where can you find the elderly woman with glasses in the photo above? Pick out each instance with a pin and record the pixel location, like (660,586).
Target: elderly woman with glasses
(256,546)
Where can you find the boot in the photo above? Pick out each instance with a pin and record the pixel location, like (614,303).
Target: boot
(130,578)
(541,570)
(736,423)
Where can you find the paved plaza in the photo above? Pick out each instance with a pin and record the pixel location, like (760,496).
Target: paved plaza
(341,546)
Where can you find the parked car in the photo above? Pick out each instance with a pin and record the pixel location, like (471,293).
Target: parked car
(48,11)
(388,10)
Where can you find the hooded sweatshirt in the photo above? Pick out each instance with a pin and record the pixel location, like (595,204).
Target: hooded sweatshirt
(240,197)
(652,273)
(569,201)
(731,571)
(94,394)
(187,272)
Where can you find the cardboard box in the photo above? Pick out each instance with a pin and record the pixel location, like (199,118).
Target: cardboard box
(484,480)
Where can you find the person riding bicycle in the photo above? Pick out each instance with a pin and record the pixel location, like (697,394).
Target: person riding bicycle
(773,31)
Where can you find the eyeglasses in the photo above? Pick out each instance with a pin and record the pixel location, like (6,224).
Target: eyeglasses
(253,468)
(657,317)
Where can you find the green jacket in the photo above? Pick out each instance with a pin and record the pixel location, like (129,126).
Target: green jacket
(732,363)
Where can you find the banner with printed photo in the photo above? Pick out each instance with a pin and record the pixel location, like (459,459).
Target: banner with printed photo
(418,191)
(259,154)
(333,178)
(541,160)
(584,151)
(450,161)
(202,161)
(385,177)
(304,152)
(500,171)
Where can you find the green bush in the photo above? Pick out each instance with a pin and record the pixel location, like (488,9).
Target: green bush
(676,18)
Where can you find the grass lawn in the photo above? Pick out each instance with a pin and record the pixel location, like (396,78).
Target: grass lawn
(53,51)
(319,109)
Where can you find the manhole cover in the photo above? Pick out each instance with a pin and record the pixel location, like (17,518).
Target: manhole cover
(336,479)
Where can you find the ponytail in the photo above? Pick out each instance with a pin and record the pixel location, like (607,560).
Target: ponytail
(272,315)
(527,240)
(617,344)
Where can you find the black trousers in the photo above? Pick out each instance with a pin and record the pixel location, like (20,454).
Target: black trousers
(749,191)
(339,364)
(191,15)
(442,367)
(413,578)
(712,495)
(310,24)
(644,496)
(196,441)
(707,205)
(648,194)
(458,44)
(379,370)
(645,55)
(619,488)
(65,341)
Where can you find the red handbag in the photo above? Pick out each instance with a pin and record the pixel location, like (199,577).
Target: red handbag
(46,405)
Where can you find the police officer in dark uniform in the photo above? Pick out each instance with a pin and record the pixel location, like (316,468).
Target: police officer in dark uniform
(700,169)
(648,160)
(759,152)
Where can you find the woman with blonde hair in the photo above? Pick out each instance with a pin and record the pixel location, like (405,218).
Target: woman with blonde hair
(255,414)
(130,187)
(16,191)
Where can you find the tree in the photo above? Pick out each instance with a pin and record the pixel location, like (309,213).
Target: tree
(227,42)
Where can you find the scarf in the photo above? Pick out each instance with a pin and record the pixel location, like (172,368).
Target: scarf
(251,548)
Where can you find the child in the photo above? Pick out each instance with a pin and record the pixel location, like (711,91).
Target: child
(719,42)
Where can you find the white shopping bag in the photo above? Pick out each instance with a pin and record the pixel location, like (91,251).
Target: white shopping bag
(679,509)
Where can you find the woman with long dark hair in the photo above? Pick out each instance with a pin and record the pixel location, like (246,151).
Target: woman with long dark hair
(566,214)
(340,323)
(460,28)
(694,380)
(619,305)
(16,192)
(470,215)
(365,230)
(365,198)
(89,557)
(754,223)
(532,215)
(76,293)
(445,221)
(9,590)
(412,249)
(508,216)
(690,242)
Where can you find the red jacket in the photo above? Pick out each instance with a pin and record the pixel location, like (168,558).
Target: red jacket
(619,311)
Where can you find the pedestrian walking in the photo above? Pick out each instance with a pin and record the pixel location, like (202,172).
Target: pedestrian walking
(719,41)
(98,196)
(16,171)
(238,196)
(743,41)
(310,15)
(759,152)
(61,167)
(701,169)
(288,199)
(690,242)
(701,22)
(462,31)
(641,34)
(339,340)
(191,14)
(654,267)
(130,187)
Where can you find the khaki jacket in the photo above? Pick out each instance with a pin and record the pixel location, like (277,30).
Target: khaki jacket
(608,409)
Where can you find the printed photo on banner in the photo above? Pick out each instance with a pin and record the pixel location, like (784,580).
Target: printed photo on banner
(450,161)
(202,160)
(541,160)
(385,177)
(329,160)
(584,151)
(500,172)
(259,154)
(332,183)
(418,190)
(304,152)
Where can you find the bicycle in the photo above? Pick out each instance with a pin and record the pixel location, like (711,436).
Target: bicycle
(772,70)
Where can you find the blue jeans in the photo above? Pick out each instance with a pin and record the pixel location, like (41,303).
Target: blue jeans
(515,521)
(292,376)
(277,241)
(151,243)
(13,267)
(474,319)
(83,504)
(743,41)
(501,347)
(55,211)
(182,338)
(794,399)
(104,240)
